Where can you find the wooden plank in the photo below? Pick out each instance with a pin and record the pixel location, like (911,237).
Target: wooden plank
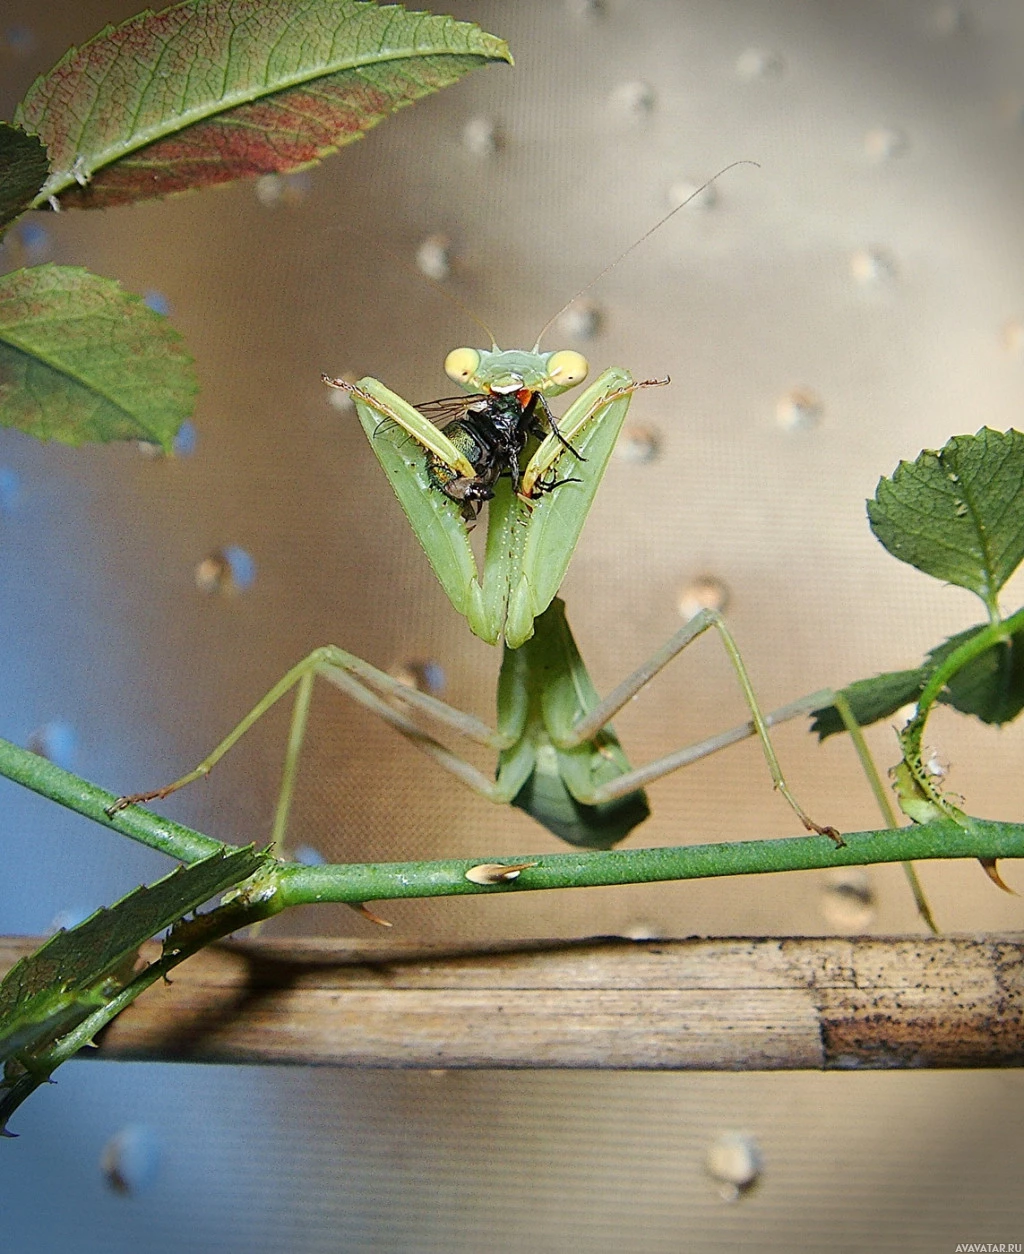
(713,1004)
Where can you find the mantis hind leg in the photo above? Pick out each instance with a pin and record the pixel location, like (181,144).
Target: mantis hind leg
(375,690)
(588,726)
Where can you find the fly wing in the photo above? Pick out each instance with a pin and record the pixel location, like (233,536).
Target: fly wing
(448,409)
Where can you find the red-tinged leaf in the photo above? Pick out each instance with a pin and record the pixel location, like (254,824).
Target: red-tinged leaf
(81,359)
(215,90)
(23,171)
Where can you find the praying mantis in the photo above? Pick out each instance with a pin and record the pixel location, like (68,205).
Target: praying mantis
(558,757)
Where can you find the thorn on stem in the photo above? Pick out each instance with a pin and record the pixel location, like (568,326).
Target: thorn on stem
(497,872)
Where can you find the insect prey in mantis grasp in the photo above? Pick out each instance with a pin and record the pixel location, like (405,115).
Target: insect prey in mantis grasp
(558,757)
(445,459)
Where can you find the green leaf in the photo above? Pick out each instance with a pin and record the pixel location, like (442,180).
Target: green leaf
(958,513)
(990,686)
(216,90)
(23,170)
(46,994)
(871,700)
(81,359)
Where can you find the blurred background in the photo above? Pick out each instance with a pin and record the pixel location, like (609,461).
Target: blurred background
(857,298)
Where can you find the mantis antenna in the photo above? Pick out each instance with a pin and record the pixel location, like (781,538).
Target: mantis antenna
(636,244)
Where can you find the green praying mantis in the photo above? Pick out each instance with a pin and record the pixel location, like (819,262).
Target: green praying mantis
(558,757)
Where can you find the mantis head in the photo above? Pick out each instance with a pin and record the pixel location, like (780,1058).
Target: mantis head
(515,370)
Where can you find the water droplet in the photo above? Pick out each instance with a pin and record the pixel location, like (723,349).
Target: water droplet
(848,900)
(19,40)
(704,198)
(643,930)
(10,490)
(1013,337)
(481,137)
(156,301)
(57,741)
(872,265)
(581,320)
(185,441)
(68,918)
(883,143)
(703,593)
(422,674)
(951,19)
(35,239)
(338,398)
(183,444)
(798,410)
(633,99)
(130,1161)
(227,570)
(1010,108)
(759,63)
(638,445)
(434,257)
(307,855)
(734,1160)
(284,191)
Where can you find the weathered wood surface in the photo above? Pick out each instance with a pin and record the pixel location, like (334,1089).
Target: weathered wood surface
(718,1004)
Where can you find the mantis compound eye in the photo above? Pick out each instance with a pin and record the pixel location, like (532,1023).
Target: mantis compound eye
(461,364)
(567,368)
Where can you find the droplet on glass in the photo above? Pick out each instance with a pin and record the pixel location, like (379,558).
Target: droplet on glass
(872,265)
(759,63)
(130,1161)
(883,143)
(581,320)
(434,257)
(633,99)
(228,570)
(734,1161)
(307,855)
(338,398)
(638,445)
(798,410)
(690,190)
(183,444)
(586,9)
(1013,337)
(185,441)
(156,301)
(481,136)
(642,930)
(848,900)
(57,741)
(703,593)
(35,239)
(284,191)
(68,918)
(10,490)
(19,39)
(951,19)
(423,674)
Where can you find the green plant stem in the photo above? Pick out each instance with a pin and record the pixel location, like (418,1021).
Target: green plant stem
(867,763)
(43,777)
(999,632)
(359,882)
(303,885)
